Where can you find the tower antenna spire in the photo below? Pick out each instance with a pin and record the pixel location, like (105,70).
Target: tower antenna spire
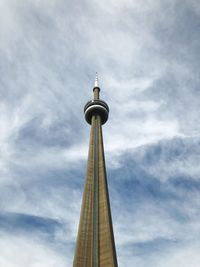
(96,84)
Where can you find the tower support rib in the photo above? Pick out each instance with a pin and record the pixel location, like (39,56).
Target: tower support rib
(96,120)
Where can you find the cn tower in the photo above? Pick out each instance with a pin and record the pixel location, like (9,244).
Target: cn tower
(95,245)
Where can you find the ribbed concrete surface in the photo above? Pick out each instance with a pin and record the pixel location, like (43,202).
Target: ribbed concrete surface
(95,245)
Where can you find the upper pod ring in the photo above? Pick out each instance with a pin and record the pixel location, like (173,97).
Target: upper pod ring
(96,107)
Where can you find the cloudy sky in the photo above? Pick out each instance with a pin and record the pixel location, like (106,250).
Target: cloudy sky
(147,56)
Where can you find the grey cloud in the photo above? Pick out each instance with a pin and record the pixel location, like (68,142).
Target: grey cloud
(49,52)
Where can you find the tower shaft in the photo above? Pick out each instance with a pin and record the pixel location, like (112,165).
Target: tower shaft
(95,245)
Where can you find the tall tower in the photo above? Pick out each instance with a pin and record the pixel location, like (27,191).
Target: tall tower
(95,245)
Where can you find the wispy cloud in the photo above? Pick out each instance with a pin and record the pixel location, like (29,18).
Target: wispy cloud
(146,53)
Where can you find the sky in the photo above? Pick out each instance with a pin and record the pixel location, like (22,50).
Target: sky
(148,60)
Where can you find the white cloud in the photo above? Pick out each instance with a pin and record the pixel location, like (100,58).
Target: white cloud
(17,251)
(49,52)
(185,255)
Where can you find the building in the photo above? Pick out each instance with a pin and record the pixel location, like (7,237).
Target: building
(95,245)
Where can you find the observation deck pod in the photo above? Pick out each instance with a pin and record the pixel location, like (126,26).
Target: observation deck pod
(96,107)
